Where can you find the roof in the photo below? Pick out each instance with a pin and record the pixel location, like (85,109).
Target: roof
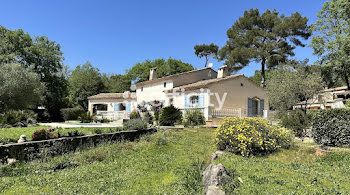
(171,76)
(205,83)
(335,89)
(104,96)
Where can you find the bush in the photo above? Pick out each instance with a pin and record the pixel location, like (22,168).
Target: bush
(72,113)
(44,134)
(169,116)
(251,136)
(85,117)
(134,115)
(148,118)
(331,127)
(297,121)
(18,118)
(193,118)
(135,124)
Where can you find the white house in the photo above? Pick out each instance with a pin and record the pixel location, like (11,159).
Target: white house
(216,94)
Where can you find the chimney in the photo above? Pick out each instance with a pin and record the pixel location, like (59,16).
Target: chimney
(223,72)
(153,74)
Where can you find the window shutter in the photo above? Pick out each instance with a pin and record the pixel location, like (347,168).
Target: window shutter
(250,107)
(186,101)
(201,100)
(262,107)
(116,106)
(128,107)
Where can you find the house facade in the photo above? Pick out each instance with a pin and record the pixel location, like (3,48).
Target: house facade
(216,94)
(327,99)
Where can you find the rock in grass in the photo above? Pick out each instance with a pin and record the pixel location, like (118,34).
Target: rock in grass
(22,139)
(214,176)
(11,161)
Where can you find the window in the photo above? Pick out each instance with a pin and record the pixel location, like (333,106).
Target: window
(194,101)
(121,107)
(141,89)
(164,84)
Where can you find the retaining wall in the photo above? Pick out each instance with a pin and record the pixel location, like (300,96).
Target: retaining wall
(38,149)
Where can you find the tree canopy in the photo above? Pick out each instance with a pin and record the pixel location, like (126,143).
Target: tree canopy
(268,38)
(20,88)
(44,57)
(140,71)
(206,51)
(85,81)
(116,83)
(289,85)
(332,39)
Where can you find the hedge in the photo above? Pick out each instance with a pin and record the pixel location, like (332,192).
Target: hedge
(331,127)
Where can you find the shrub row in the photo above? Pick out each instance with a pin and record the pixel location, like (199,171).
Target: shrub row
(331,127)
(18,118)
(72,113)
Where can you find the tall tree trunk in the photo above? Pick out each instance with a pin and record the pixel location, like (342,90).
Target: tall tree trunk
(263,61)
(346,77)
(206,61)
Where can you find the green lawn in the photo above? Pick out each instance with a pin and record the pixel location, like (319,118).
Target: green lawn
(162,163)
(13,134)
(294,171)
(171,162)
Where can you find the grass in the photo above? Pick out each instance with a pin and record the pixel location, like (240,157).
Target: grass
(172,162)
(295,171)
(168,162)
(12,134)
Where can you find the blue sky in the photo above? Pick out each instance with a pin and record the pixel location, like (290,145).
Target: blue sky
(114,35)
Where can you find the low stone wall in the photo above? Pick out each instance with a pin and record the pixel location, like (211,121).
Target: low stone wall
(38,149)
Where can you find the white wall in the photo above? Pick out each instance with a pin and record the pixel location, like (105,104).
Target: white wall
(153,91)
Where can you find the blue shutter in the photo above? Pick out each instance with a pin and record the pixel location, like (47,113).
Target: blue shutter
(116,106)
(262,107)
(201,100)
(128,107)
(186,101)
(250,107)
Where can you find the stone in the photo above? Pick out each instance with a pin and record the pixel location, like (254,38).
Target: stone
(214,175)
(22,139)
(213,190)
(11,161)
(216,155)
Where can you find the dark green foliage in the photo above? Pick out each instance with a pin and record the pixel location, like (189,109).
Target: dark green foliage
(85,81)
(140,71)
(134,115)
(72,113)
(296,121)
(116,83)
(42,56)
(331,127)
(17,118)
(269,38)
(193,118)
(206,51)
(85,117)
(169,116)
(135,124)
(75,133)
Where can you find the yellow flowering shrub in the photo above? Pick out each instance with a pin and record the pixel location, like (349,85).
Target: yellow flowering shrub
(250,136)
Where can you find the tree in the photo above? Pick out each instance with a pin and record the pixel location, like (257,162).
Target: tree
(206,51)
(20,88)
(116,83)
(332,41)
(85,81)
(44,57)
(256,78)
(269,38)
(290,85)
(140,71)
